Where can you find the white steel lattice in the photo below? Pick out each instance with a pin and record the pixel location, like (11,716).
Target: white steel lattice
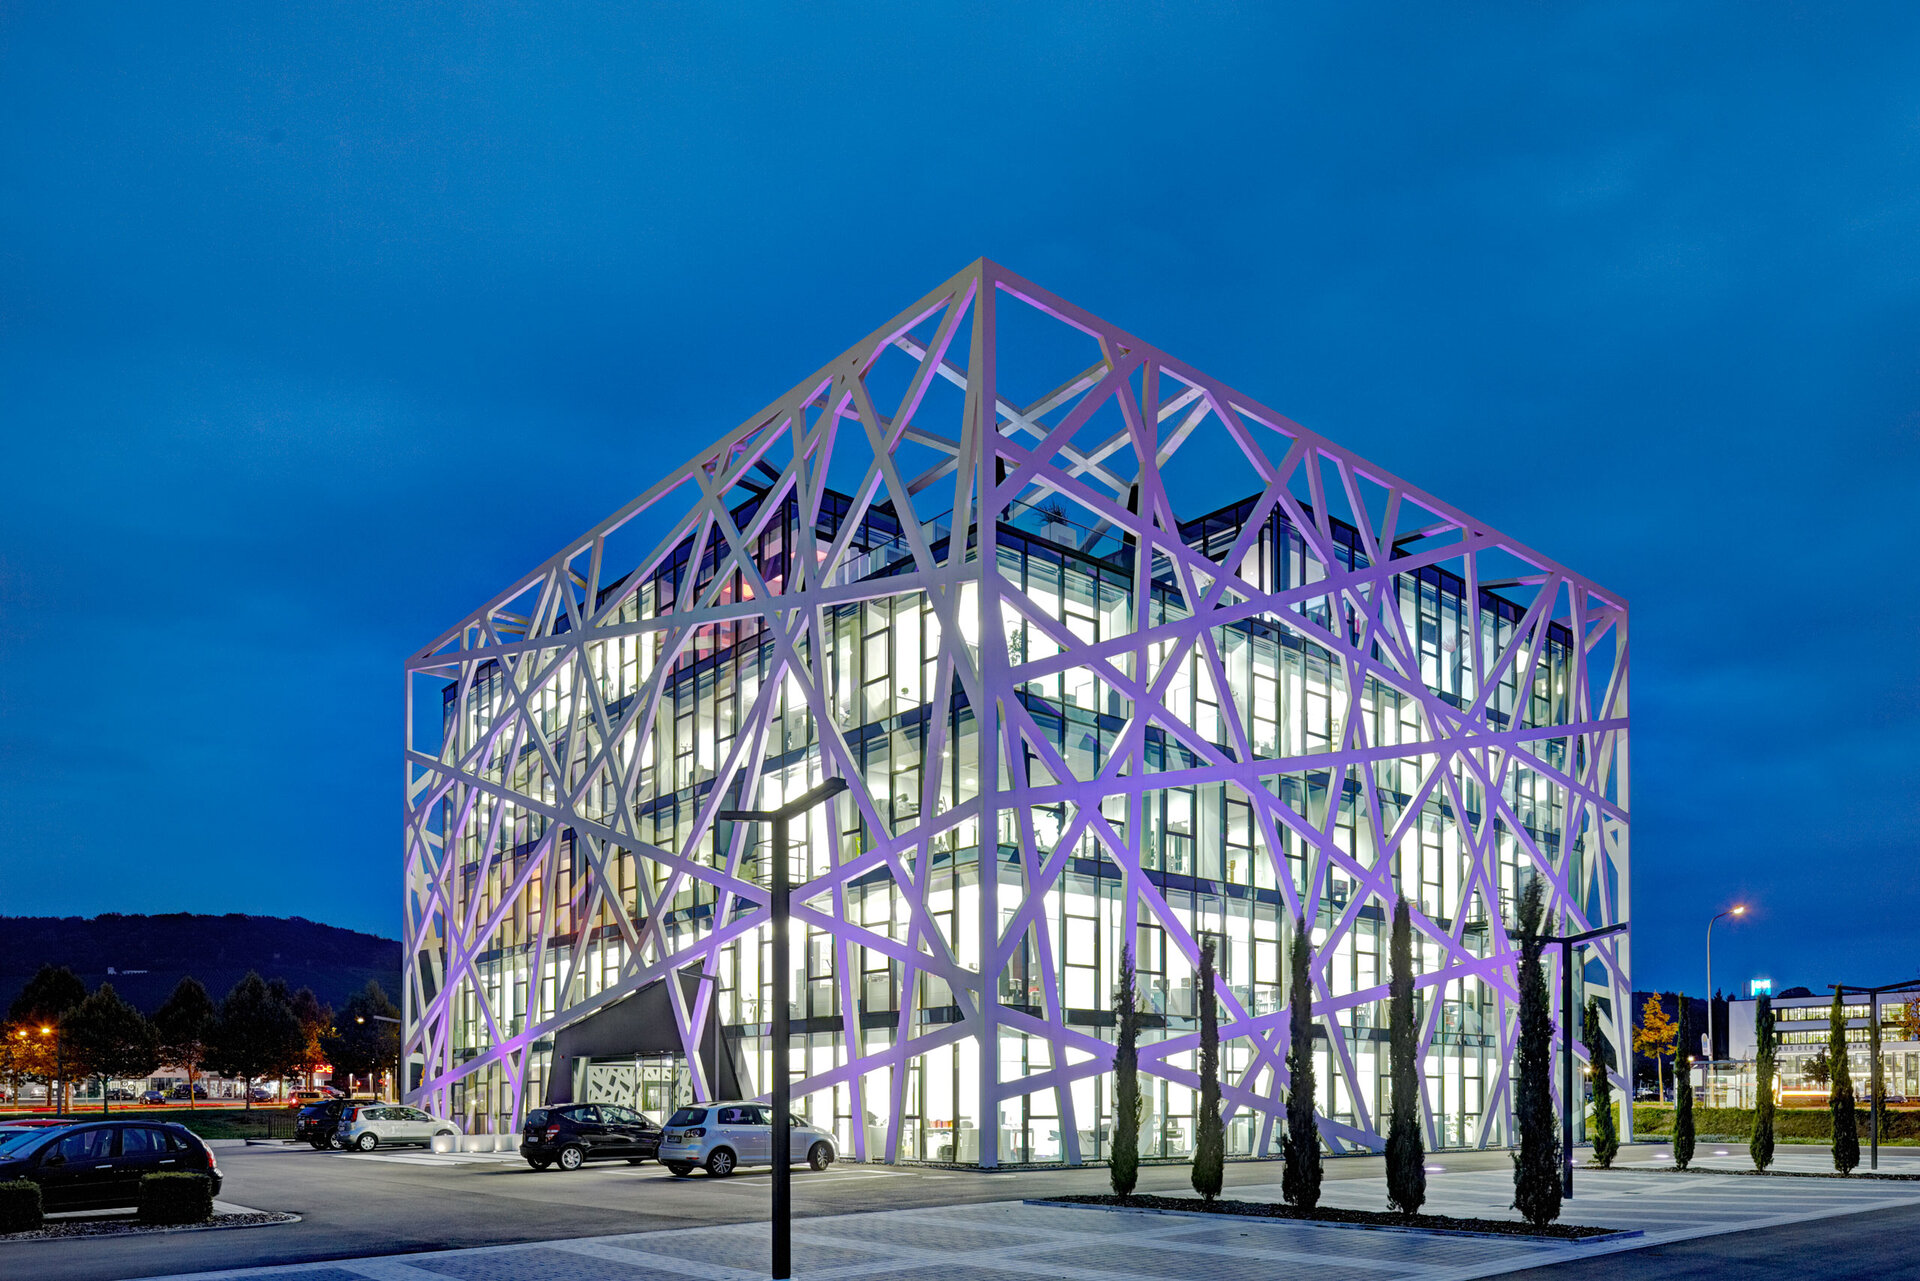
(1331,688)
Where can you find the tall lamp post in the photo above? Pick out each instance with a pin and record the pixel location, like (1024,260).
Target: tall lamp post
(1566,944)
(1873,995)
(59,1089)
(1737,910)
(782,1146)
(382,1018)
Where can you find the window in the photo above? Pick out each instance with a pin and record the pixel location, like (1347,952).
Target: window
(140,1140)
(588,1115)
(87,1145)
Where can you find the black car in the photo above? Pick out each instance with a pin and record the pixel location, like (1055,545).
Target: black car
(98,1165)
(317,1121)
(574,1133)
(182,1092)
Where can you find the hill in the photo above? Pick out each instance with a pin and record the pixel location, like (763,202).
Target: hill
(144,956)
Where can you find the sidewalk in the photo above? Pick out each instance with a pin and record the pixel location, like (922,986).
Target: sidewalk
(1007,1240)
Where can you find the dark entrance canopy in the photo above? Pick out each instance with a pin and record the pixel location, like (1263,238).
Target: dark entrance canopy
(639,1026)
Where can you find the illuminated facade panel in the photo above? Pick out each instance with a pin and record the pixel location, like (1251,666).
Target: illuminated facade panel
(1113,658)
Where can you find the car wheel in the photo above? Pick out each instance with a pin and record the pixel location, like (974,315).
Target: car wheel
(572,1158)
(318,1145)
(720,1164)
(820,1156)
(636,1160)
(538,1165)
(367,1142)
(680,1169)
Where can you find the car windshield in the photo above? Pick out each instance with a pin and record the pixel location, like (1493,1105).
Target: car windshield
(688,1116)
(13,1142)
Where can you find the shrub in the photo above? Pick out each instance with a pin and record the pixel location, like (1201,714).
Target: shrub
(175,1198)
(1683,1118)
(19,1205)
(1655,1121)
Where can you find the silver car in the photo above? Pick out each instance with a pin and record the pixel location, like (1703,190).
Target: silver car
(725,1136)
(366,1126)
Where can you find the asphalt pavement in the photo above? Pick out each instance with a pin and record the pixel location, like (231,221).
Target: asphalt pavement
(397,1202)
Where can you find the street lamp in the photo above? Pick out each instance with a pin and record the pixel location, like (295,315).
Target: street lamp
(1566,943)
(382,1018)
(782,1147)
(59,1089)
(1873,995)
(1738,909)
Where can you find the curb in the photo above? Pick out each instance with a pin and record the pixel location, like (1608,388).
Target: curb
(1526,1237)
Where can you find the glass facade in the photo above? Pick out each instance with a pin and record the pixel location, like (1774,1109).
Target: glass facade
(1067,736)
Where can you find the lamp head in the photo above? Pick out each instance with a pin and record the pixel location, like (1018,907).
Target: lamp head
(1739,909)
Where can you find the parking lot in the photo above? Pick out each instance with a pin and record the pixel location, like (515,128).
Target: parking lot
(393,1201)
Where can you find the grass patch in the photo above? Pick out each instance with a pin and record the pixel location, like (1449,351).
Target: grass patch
(263,1122)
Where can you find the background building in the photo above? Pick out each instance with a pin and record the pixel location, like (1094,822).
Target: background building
(1801,1025)
(1113,657)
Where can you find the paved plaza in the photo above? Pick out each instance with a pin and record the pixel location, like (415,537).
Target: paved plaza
(1016,1240)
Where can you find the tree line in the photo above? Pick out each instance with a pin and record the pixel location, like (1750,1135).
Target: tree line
(1536,1168)
(57,1033)
(1834,1069)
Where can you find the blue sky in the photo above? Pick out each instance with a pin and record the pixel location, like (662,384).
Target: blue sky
(319,323)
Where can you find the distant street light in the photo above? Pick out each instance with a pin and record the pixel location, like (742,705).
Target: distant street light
(1738,909)
(782,1151)
(398,1086)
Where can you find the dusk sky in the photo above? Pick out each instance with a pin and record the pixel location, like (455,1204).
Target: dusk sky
(320,324)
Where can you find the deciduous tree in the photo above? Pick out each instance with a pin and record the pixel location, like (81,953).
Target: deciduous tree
(1655,1038)
(1300,1178)
(108,1038)
(184,1024)
(49,996)
(1606,1135)
(255,1035)
(1406,1154)
(1124,1171)
(361,1041)
(1536,1166)
(1761,1145)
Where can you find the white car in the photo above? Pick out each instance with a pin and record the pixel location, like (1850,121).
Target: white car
(366,1126)
(724,1136)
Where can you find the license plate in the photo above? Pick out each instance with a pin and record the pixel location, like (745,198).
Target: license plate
(671,1136)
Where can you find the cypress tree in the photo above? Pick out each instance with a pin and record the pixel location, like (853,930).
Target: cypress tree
(1682,1089)
(1210,1141)
(1761,1145)
(1300,1179)
(1606,1135)
(1536,1166)
(1846,1129)
(1406,1155)
(1124,1171)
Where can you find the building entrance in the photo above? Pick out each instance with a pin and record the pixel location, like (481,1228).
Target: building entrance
(653,1084)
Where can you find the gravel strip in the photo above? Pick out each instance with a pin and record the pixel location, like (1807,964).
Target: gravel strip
(131,1227)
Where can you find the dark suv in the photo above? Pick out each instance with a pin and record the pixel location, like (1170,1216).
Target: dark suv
(317,1121)
(98,1165)
(574,1133)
